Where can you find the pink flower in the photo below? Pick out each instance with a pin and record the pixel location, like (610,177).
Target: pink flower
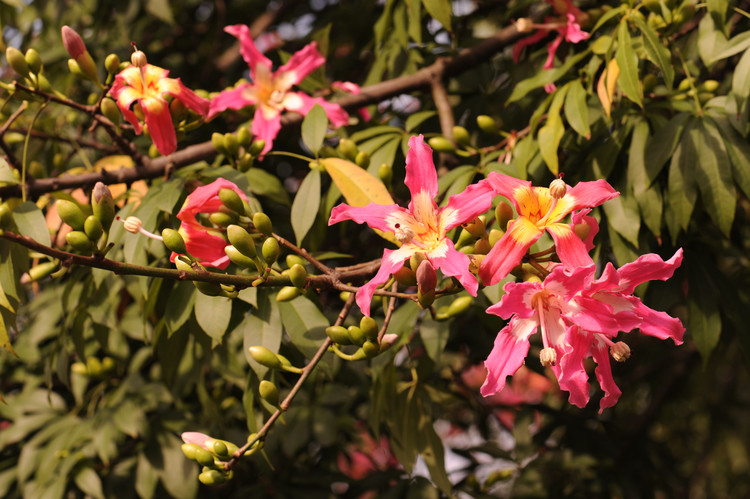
(205,243)
(272,91)
(199,439)
(147,88)
(539,211)
(578,317)
(423,226)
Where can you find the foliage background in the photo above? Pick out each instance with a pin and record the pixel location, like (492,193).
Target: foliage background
(676,151)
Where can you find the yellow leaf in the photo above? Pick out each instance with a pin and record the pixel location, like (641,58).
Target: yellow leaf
(4,339)
(605,89)
(359,187)
(4,299)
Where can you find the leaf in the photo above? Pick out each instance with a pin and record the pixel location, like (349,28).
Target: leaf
(605,88)
(416,119)
(306,204)
(545,77)
(741,76)
(414,9)
(649,197)
(714,175)
(213,314)
(662,144)
(577,110)
(681,184)
(549,139)
(358,186)
(262,328)
(6,173)
(161,10)
(440,10)
(434,336)
(622,215)
(711,42)
(264,184)
(89,482)
(656,51)
(4,338)
(704,320)
(179,306)
(31,223)
(314,128)
(628,61)
(734,46)
(305,324)
(431,449)
(738,150)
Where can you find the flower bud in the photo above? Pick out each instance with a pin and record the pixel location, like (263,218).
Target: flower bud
(339,334)
(42,270)
(133,225)
(231,144)
(178,110)
(232,200)
(460,305)
(548,356)
(269,392)
(347,149)
(298,275)
(239,259)
(217,140)
(356,335)
(138,59)
(71,214)
(112,63)
(461,136)
(189,450)
(362,159)
(245,162)
(476,227)
(385,173)
(292,260)
(482,247)
(369,327)
(72,42)
(220,449)
(79,368)
(370,348)
(270,250)
(494,236)
(174,241)
(487,124)
(582,231)
(6,216)
(244,137)
(405,276)
(108,365)
(557,188)
(524,25)
(416,259)
(441,144)
(223,219)
(262,223)
(17,61)
(94,367)
(388,341)
(241,240)
(257,147)
(620,351)
(102,205)
(87,66)
(33,60)
(111,110)
(93,228)
(287,293)
(265,357)
(503,215)
(426,282)
(212,478)
(209,288)
(74,68)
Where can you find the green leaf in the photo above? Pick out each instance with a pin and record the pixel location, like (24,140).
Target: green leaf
(314,128)
(262,328)
(656,51)
(741,76)
(609,15)
(662,144)
(549,139)
(714,175)
(305,324)
(161,10)
(459,185)
(440,10)
(213,314)
(4,338)
(738,150)
(704,320)
(6,173)
(414,8)
(434,336)
(545,77)
(179,306)
(305,205)
(622,214)
(577,110)
(264,184)
(712,44)
(31,223)
(416,119)
(89,482)
(649,197)
(627,60)
(682,187)
(431,449)
(725,49)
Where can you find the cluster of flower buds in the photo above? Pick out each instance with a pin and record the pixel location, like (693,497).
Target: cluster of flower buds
(94,367)
(213,454)
(239,148)
(81,62)
(91,223)
(267,358)
(29,66)
(364,337)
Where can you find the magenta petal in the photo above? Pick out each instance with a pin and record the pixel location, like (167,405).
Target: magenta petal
(647,268)
(230,99)
(569,247)
(507,355)
(420,168)
(374,215)
(191,100)
(581,217)
(249,51)
(207,248)
(507,186)
(658,324)
(514,300)
(302,63)
(612,393)
(525,42)
(588,194)
(266,128)
(593,315)
(456,264)
(392,261)
(160,126)
(336,114)
(571,375)
(193,437)
(508,251)
(467,205)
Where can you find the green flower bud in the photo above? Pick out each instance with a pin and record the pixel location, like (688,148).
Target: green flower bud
(111,111)
(112,63)
(270,250)
(385,173)
(174,241)
(42,270)
(178,110)
(189,450)
(416,259)
(217,140)
(208,288)
(6,216)
(231,144)
(44,83)
(347,149)
(362,159)
(426,298)
(245,162)
(244,137)
(88,66)
(262,223)
(79,241)
(102,205)
(257,147)
(442,314)
(503,215)
(441,144)
(241,240)
(33,60)
(405,276)
(203,457)
(239,259)
(370,348)
(709,86)
(369,327)
(93,228)
(460,305)
(287,293)
(487,124)
(232,200)
(94,367)
(356,335)
(292,260)
(79,368)
(220,448)
(36,169)
(298,275)
(476,227)
(108,365)
(212,478)
(74,68)
(495,236)
(17,61)
(223,219)
(482,247)
(269,392)
(461,136)
(265,357)
(339,335)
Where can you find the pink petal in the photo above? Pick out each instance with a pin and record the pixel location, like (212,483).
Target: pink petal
(420,168)
(346,86)
(266,128)
(455,264)
(336,114)
(551,49)
(569,247)
(612,393)
(160,127)
(658,324)
(249,51)
(516,300)
(467,205)
(234,98)
(392,261)
(581,217)
(191,100)
(570,373)
(588,194)
(593,315)
(525,42)
(507,355)
(302,63)
(207,248)
(508,251)
(572,31)
(507,186)
(374,215)
(205,199)
(193,437)
(647,267)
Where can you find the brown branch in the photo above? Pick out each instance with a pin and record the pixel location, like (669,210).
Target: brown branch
(13,117)
(442,103)
(92,144)
(452,66)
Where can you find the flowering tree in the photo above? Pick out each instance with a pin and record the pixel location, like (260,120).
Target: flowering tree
(282,250)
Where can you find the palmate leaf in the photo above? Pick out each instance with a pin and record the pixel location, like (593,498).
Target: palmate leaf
(628,63)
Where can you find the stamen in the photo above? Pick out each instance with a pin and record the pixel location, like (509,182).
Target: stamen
(557,190)
(134,225)
(620,351)
(403,233)
(548,357)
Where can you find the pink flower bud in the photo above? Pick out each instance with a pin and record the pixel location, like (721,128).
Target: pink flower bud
(426,277)
(72,42)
